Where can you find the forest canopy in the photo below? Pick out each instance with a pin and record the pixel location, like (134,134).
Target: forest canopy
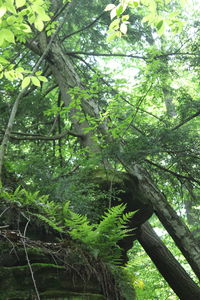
(99,149)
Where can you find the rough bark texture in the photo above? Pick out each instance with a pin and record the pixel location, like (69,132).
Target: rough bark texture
(171,270)
(170,220)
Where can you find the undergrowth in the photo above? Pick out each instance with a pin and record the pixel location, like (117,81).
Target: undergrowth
(100,239)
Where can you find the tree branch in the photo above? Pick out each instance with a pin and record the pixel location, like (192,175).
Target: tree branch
(116,92)
(107,54)
(31,137)
(187,120)
(179,176)
(83,28)
(146,58)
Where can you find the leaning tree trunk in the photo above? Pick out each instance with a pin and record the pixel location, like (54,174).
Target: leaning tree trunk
(167,265)
(169,218)
(67,78)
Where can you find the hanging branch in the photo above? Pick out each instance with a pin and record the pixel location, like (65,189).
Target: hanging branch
(83,28)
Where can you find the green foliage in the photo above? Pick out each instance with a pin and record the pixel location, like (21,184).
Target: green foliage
(149,8)
(23,197)
(17,19)
(125,281)
(14,16)
(131,94)
(100,239)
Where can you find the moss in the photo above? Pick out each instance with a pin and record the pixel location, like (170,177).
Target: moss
(52,281)
(36,266)
(71,295)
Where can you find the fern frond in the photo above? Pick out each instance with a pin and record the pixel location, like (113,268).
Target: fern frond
(50,222)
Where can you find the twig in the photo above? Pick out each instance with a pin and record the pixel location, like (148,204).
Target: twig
(4,226)
(146,58)
(28,261)
(83,28)
(4,211)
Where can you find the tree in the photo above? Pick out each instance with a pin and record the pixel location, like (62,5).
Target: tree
(91,127)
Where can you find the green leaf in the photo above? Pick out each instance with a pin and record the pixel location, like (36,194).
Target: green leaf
(135,4)
(39,25)
(109,7)
(9,36)
(125,18)
(26,28)
(43,78)
(25,82)
(10,6)
(119,10)
(2,11)
(10,75)
(35,81)
(152,6)
(20,3)
(6,34)
(113,36)
(114,24)
(123,28)
(10,20)
(113,14)
(42,14)
(159,25)
(3,60)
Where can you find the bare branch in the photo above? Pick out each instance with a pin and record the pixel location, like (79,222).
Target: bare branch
(31,137)
(179,176)
(187,120)
(107,54)
(83,28)
(146,58)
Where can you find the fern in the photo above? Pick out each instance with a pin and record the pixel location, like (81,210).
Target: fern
(50,222)
(102,238)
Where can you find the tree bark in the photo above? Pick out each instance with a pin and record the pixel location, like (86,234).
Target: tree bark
(169,218)
(177,278)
